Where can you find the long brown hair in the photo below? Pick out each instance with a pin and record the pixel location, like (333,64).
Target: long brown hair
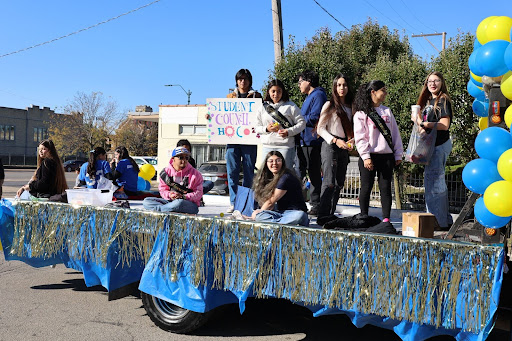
(93,156)
(336,105)
(60,178)
(265,181)
(426,95)
(123,154)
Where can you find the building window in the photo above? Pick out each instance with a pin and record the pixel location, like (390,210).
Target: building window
(40,134)
(7,132)
(192,129)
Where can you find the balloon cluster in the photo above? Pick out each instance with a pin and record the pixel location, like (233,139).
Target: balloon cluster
(146,173)
(491,63)
(491,175)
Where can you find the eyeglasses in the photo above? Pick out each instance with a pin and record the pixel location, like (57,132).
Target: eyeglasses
(301,80)
(183,157)
(434,81)
(274,160)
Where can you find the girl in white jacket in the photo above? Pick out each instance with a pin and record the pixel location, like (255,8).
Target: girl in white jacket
(279,121)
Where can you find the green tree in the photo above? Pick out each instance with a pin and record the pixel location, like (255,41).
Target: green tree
(453,64)
(353,53)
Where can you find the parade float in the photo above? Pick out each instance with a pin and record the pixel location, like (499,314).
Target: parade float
(187,265)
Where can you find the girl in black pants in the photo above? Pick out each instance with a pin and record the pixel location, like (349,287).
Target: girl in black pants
(378,154)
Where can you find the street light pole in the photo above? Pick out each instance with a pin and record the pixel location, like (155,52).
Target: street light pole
(187,92)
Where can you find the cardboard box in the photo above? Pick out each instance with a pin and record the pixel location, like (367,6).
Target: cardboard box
(416,224)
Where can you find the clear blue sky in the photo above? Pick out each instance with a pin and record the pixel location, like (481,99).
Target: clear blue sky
(198,44)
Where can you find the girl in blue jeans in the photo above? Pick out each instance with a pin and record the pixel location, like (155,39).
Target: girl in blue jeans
(436,112)
(278,191)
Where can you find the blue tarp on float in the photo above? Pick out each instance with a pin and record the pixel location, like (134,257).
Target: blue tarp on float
(417,287)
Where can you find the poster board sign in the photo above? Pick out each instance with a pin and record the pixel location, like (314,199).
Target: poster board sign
(232,120)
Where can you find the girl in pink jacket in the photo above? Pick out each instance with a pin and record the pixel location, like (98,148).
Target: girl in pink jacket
(181,186)
(379,151)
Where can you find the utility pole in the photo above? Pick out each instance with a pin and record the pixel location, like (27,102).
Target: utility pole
(433,34)
(277,24)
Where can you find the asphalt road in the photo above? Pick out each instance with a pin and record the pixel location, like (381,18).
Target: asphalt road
(54,304)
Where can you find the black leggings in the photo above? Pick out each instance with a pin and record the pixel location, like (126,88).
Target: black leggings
(383,165)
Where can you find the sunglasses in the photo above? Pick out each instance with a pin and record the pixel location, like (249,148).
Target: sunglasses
(183,157)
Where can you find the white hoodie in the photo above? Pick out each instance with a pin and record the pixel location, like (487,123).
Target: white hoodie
(292,114)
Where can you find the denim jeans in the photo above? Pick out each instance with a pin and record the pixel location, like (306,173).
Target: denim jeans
(288,154)
(436,192)
(291,217)
(240,155)
(162,205)
(207,186)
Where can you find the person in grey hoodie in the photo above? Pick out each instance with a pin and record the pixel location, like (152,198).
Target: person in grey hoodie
(279,121)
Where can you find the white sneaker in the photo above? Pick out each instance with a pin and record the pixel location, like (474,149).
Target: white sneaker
(230,209)
(237,215)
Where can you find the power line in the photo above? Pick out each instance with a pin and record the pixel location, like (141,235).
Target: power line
(397,24)
(398,14)
(82,30)
(415,17)
(345,27)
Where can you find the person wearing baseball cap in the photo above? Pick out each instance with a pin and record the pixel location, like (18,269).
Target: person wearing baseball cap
(181,186)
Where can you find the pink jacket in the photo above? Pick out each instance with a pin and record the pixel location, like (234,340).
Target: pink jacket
(195,183)
(369,139)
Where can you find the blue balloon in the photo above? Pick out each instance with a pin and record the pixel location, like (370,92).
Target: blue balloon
(475,91)
(490,58)
(478,174)
(148,185)
(492,142)
(486,218)
(473,63)
(481,108)
(141,184)
(476,44)
(508,55)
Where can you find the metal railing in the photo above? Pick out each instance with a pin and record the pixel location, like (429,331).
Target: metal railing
(412,191)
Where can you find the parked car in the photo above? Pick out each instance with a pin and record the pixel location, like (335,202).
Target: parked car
(72,165)
(142,160)
(216,171)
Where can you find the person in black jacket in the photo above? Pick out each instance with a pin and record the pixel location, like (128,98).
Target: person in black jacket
(49,178)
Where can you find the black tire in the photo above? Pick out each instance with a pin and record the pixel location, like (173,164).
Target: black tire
(171,317)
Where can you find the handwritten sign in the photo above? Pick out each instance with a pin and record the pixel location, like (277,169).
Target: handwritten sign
(232,120)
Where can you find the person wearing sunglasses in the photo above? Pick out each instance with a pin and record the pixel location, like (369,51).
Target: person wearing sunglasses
(181,186)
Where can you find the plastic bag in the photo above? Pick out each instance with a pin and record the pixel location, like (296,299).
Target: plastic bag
(421,146)
(104,183)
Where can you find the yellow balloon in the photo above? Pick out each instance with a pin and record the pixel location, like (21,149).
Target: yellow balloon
(505,165)
(147,171)
(483,123)
(475,77)
(481,31)
(499,28)
(508,116)
(506,85)
(498,198)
